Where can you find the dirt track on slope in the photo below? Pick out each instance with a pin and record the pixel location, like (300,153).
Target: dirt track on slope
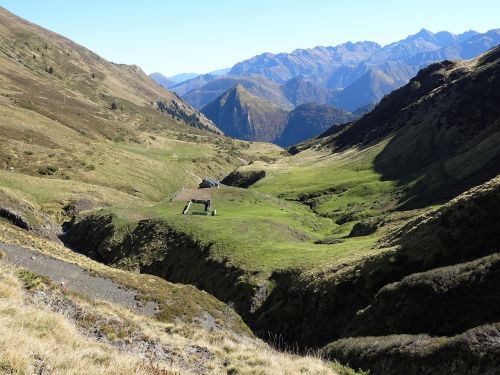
(75,278)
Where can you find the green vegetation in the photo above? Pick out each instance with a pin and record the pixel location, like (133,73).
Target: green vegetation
(32,280)
(258,232)
(298,217)
(334,185)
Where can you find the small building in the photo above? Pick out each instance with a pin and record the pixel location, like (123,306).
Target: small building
(209,183)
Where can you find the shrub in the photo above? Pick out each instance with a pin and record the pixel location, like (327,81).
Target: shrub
(32,280)
(48,170)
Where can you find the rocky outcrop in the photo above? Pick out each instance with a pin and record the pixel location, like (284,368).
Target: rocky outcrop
(14,217)
(27,217)
(365,228)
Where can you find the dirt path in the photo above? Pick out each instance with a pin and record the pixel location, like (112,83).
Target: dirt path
(188,194)
(75,278)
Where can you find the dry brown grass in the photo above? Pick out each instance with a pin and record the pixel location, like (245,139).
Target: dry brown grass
(36,340)
(55,339)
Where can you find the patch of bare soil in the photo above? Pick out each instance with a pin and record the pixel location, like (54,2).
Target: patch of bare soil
(188,194)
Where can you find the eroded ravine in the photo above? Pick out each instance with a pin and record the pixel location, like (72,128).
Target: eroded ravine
(308,310)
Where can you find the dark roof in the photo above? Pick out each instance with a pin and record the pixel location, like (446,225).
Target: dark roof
(211,180)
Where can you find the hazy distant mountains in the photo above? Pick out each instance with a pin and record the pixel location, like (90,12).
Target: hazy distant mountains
(255,99)
(214,86)
(348,75)
(169,82)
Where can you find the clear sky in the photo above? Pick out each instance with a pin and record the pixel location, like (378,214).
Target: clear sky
(174,36)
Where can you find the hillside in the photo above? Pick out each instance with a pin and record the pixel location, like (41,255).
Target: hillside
(67,71)
(49,328)
(328,230)
(309,120)
(244,116)
(73,123)
(369,88)
(443,128)
(375,244)
(300,91)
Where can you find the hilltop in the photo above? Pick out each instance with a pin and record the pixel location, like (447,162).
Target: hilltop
(245,116)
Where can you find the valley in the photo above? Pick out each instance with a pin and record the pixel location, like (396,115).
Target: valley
(353,247)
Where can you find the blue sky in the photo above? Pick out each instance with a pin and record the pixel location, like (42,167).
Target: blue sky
(174,36)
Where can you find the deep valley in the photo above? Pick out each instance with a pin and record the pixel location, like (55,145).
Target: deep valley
(338,239)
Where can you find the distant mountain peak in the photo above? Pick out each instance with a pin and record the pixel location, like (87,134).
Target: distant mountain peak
(246,116)
(239,87)
(423,34)
(347,75)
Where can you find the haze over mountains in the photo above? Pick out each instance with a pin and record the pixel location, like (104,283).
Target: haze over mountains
(347,76)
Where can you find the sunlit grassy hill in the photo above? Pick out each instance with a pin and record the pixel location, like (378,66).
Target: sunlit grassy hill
(73,125)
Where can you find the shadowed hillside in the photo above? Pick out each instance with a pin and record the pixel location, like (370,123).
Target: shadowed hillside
(443,129)
(244,116)
(308,120)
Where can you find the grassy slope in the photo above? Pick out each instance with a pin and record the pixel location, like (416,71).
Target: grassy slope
(258,232)
(266,228)
(60,139)
(71,342)
(134,158)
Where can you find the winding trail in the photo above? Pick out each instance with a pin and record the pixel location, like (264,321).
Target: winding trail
(75,278)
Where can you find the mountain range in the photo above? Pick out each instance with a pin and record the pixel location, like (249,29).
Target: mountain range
(375,243)
(347,76)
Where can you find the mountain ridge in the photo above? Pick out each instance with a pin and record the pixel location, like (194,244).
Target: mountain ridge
(246,116)
(346,67)
(243,115)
